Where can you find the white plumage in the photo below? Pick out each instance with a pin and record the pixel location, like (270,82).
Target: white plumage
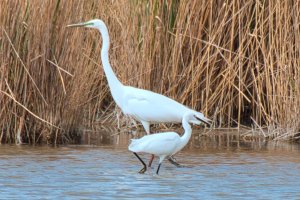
(154,144)
(143,105)
(162,144)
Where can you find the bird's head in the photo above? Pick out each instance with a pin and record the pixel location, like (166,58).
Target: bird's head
(94,23)
(196,118)
(190,117)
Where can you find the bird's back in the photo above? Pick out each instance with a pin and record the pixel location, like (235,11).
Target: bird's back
(158,144)
(152,107)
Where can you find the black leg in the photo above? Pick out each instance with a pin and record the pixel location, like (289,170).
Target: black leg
(144,168)
(158,168)
(172,160)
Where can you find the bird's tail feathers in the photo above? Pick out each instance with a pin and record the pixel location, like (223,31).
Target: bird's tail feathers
(134,145)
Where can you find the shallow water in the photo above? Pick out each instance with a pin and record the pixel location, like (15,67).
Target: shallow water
(218,167)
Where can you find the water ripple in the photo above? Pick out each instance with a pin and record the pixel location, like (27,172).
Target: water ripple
(110,172)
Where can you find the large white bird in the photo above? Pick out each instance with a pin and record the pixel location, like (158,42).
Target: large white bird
(143,105)
(162,144)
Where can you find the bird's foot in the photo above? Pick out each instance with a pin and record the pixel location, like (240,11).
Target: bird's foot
(173,161)
(143,170)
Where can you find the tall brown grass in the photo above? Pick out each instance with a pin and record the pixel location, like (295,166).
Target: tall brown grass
(236,61)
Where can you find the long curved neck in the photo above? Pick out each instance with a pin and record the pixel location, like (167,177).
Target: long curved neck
(116,87)
(187,133)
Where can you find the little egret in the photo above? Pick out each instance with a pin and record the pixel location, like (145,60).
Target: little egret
(143,105)
(162,144)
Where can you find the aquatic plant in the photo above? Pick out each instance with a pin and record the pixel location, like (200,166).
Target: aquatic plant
(236,61)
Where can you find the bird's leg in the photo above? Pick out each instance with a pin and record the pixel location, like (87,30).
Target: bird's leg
(158,168)
(146,126)
(145,167)
(151,159)
(173,161)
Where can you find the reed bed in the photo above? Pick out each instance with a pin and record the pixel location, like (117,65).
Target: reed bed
(236,61)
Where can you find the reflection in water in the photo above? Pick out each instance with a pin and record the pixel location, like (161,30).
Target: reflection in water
(203,140)
(219,166)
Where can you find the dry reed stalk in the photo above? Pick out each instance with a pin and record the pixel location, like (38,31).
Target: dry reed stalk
(236,61)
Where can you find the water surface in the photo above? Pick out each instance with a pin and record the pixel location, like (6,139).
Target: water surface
(218,167)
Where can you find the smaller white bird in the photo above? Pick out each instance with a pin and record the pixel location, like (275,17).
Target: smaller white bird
(163,144)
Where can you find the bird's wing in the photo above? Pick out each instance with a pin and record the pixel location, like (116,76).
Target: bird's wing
(152,107)
(158,144)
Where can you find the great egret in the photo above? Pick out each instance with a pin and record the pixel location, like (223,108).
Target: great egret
(162,144)
(143,105)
